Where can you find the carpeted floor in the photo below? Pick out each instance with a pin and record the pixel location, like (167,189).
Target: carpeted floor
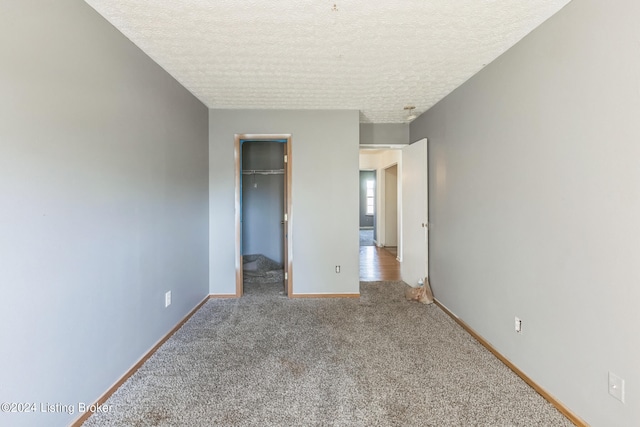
(266,360)
(366,238)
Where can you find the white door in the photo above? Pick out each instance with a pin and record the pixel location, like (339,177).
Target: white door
(415,200)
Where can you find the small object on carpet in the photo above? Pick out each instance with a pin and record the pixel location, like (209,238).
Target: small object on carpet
(421,294)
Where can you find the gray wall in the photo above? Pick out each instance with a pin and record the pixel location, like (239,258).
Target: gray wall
(263,200)
(534,172)
(325,195)
(103,185)
(384,133)
(366,220)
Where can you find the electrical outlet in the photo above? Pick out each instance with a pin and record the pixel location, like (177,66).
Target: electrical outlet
(616,387)
(518,324)
(337,269)
(167,299)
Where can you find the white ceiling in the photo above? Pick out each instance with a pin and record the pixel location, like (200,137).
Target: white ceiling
(368,55)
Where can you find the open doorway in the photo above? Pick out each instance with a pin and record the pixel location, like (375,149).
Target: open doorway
(263,214)
(381,260)
(367,207)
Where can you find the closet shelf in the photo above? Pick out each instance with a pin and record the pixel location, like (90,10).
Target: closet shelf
(263,172)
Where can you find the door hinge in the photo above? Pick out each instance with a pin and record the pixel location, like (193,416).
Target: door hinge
(286,276)
(285,217)
(286,158)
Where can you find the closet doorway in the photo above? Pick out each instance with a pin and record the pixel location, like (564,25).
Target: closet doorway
(263,213)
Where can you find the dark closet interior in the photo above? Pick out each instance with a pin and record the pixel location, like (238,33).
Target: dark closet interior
(263,186)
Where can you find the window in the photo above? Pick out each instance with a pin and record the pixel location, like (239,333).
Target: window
(370,198)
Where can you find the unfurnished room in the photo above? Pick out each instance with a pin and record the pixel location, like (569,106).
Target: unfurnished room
(335,213)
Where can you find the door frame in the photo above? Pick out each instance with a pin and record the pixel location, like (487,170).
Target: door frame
(288,211)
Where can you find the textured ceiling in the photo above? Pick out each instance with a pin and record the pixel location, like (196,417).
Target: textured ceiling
(372,56)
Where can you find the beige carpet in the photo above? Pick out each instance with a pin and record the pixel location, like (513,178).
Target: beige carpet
(265,360)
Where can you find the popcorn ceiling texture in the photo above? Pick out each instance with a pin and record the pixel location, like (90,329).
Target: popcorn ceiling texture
(371,56)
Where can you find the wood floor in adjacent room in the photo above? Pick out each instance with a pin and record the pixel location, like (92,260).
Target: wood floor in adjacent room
(378,264)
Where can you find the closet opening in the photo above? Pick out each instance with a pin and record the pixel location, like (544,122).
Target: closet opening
(263,222)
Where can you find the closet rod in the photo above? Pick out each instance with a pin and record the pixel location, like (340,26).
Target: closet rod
(264,172)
